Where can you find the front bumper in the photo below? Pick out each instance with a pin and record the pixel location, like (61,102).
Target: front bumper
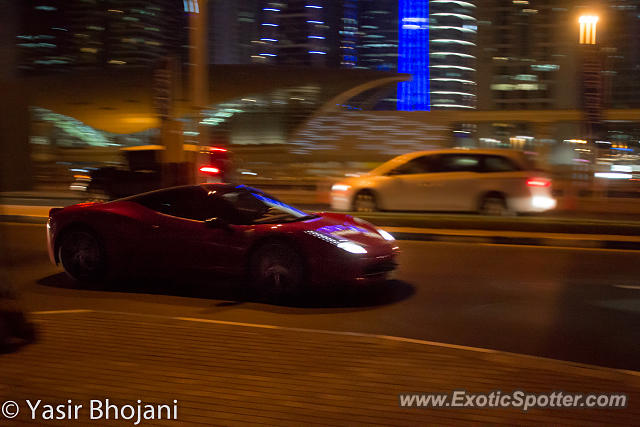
(356,269)
(50,250)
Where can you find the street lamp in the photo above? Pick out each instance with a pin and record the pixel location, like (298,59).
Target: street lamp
(588,26)
(591,78)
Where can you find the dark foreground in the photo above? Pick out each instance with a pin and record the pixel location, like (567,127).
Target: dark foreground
(238,374)
(342,357)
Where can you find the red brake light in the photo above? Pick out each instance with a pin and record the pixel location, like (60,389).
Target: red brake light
(217,149)
(209,170)
(538,182)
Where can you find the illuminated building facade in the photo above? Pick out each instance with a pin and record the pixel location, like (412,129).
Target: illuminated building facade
(293,32)
(620,36)
(413,55)
(528,55)
(378,35)
(57,35)
(233,29)
(316,33)
(43,37)
(434,41)
(452,54)
(348,34)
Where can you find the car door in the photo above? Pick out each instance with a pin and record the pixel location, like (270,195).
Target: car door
(405,186)
(453,182)
(184,241)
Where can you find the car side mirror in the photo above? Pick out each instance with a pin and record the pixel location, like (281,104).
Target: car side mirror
(216,222)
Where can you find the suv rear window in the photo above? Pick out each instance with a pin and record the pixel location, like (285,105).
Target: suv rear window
(498,164)
(456,163)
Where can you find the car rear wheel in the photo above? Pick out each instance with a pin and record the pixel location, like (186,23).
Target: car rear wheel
(82,256)
(494,205)
(277,269)
(365,202)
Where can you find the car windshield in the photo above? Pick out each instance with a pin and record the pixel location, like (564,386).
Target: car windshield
(259,208)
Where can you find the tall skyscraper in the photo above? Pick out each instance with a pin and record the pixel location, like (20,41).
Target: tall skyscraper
(377,45)
(60,35)
(348,33)
(620,39)
(434,41)
(413,55)
(528,55)
(43,37)
(8,59)
(234,27)
(293,32)
(452,54)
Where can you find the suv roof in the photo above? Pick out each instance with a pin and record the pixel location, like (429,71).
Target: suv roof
(517,156)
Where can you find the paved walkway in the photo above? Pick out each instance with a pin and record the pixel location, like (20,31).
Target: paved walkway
(224,373)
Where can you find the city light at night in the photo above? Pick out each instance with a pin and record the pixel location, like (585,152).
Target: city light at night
(319,212)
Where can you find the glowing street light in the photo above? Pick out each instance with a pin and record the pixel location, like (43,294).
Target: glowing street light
(588,24)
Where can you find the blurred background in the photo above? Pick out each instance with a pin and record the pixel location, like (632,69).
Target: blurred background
(293,95)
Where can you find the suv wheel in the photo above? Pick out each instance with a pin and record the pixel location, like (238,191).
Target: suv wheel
(364,202)
(494,205)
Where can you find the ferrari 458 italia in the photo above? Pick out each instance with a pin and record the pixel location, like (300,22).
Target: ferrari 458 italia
(217,228)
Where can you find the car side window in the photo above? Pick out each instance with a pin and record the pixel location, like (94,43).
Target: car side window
(498,164)
(412,167)
(188,203)
(456,163)
(172,202)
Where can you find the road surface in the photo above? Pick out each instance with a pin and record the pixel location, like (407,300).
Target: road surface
(571,304)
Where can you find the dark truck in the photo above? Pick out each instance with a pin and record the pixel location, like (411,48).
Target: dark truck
(145,171)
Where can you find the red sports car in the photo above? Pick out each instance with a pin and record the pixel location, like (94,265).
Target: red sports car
(217,228)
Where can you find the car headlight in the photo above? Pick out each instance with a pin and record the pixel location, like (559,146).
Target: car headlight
(340,187)
(354,248)
(345,245)
(385,235)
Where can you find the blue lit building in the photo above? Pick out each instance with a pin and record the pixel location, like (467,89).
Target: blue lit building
(433,40)
(413,55)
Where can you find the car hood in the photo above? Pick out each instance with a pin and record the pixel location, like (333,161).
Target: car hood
(346,227)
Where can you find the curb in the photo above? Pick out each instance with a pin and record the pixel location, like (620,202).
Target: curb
(491,237)
(24,219)
(522,241)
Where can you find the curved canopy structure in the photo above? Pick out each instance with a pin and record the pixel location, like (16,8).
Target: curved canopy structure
(122,101)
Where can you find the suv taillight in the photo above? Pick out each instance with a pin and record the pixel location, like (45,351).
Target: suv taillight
(538,182)
(209,170)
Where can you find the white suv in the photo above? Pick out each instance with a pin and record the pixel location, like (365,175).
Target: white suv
(493,182)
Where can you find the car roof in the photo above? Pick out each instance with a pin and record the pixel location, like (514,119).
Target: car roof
(222,187)
(513,154)
(490,151)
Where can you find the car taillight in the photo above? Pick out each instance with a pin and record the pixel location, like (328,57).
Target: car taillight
(538,182)
(210,170)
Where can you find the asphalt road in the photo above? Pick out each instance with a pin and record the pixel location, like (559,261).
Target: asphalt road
(571,304)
